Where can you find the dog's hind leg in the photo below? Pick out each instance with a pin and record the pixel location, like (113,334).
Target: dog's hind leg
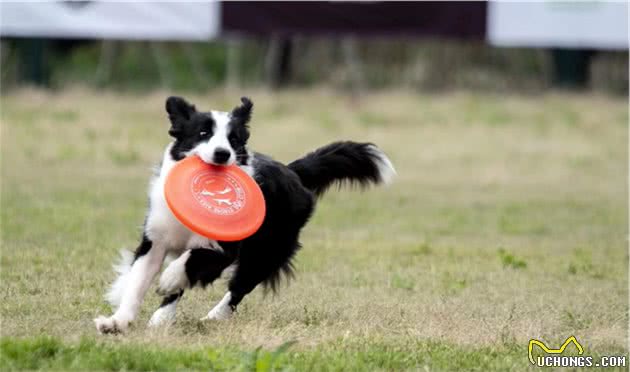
(165,314)
(147,261)
(174,278)
(240,285)
(255,266)
(173,282)
(244,281)
(197,266)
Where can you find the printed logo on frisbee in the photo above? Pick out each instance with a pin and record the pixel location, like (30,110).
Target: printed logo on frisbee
(219,195)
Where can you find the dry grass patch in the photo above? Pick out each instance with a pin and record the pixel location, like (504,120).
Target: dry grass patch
(507,221)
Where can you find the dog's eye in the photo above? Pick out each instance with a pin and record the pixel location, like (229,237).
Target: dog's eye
(203,133)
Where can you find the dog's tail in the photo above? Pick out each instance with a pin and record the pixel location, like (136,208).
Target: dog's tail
(343,162)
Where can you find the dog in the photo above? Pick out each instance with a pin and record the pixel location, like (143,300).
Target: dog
(290,193)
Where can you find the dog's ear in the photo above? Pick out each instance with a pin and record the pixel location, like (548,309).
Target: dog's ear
(243,112)
(179,112)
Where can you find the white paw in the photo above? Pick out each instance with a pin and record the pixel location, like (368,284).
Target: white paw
(221,311)
(163,316)
(217,315)
(110,325)
(174,278)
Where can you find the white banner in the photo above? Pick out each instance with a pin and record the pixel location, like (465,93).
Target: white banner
(585,25)
(109,20)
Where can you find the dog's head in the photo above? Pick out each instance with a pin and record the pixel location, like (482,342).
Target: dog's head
(217,137)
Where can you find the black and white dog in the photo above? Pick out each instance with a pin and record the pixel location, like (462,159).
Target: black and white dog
(290,193)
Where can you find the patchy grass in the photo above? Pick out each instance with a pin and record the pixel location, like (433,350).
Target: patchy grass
(45,353)
(509,260)
(508,221)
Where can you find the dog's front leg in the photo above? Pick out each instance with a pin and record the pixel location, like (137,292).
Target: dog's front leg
(147,263)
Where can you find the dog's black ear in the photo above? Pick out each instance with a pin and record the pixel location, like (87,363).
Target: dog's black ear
(179,112)
(243,112)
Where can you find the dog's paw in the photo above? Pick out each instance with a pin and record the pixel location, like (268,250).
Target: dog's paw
(174,279)
(219,312)
(111,325)
(162,317)
(215,317)
(222,310)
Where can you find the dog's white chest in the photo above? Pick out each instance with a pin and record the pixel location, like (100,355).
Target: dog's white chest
(161,225)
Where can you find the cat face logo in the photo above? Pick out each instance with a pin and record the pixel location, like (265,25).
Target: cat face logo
(220,195)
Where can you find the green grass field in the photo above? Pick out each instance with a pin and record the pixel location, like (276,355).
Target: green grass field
(508,221)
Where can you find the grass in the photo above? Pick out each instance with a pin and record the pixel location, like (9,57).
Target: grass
(508,221)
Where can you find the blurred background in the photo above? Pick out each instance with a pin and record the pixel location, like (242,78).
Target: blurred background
(427,46)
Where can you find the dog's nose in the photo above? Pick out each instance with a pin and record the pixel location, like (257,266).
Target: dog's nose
(221,156)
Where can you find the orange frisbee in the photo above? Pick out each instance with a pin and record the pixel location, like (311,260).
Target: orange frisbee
(218,202)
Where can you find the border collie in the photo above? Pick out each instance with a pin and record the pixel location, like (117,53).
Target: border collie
(290,193)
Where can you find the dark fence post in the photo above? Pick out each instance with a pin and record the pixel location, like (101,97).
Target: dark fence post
(32,56)
(571,68)
(279,61)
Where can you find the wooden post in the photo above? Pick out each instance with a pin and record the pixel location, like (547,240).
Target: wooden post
(105,62)
(233,67)
(353,64)
(278,61)
(162,64)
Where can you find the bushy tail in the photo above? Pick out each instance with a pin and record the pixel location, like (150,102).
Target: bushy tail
(343,162)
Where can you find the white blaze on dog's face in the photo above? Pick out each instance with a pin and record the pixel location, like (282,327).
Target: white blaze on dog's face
(217,150)
(217,137)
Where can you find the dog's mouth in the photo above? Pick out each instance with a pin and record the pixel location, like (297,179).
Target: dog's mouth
(217,163)
(221,158)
